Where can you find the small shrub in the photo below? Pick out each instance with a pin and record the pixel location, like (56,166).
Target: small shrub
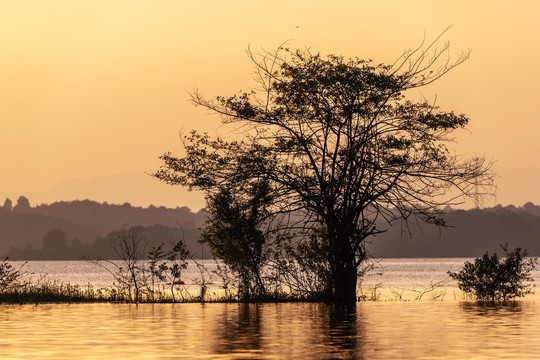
(493,278)
(9,276)
(137,279)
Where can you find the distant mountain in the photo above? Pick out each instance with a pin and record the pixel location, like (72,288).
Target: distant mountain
(138,187)
(24,226)
(470,234)
(56,245)
(88,226)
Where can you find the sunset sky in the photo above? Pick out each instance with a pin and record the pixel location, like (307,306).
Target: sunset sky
(93,92)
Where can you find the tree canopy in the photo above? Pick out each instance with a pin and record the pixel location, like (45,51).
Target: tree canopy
(341,147)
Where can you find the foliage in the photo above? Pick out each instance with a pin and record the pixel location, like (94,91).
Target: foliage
(303,267)
(340,146)
(57,292)
(9,276)
(55,245)
(128,248)
(235,233)
(7,207)
(137,276)
(46,292)
(493,278)
(167,267)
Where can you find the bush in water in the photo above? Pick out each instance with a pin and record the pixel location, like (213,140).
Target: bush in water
(493,278)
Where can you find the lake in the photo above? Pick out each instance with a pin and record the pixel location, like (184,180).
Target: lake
(390,274)
(440,325)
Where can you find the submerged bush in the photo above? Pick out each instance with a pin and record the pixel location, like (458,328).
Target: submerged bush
(494,278)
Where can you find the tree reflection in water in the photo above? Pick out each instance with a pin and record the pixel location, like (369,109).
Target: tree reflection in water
(239,330)
(344,340)
(485,308)
(289,330)
(377,330)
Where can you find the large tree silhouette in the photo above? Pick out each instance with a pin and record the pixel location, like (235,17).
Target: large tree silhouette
(339,143)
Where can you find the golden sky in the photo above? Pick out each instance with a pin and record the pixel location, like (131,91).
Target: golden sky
(93,92)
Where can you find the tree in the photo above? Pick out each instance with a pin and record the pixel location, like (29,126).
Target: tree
(341,147)
(235,233)
(128,248)
(167,266)
(303,267)
(55,245)
(492,278)
(7,207)
(23,205)
(139,274)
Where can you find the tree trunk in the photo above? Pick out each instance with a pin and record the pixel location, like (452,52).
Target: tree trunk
(342,260)
(345,279)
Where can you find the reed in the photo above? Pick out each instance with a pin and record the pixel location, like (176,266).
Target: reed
(43,292)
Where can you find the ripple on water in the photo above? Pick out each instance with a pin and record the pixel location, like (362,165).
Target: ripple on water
(382,330)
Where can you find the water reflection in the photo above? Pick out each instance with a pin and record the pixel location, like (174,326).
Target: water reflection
(345,333)
(295,329)
(239,330)
(487,309)
(376,330)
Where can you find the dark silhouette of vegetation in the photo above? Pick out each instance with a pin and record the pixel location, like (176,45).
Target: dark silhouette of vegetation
(341,148)
(7,208)
(493,278)
(23,205)
(9,276)
(53,292)
(167,266)
(470,234)
(128,249)
(304,267)
(56,246)
(85,221)
(145,274)
(234,232)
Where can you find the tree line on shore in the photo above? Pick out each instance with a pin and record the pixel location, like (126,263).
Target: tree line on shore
(86,225)
(76,229)
(56,244)
(470,233)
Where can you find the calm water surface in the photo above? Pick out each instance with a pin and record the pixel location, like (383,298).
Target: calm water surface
(441,325)
(389,273)
(377,330)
